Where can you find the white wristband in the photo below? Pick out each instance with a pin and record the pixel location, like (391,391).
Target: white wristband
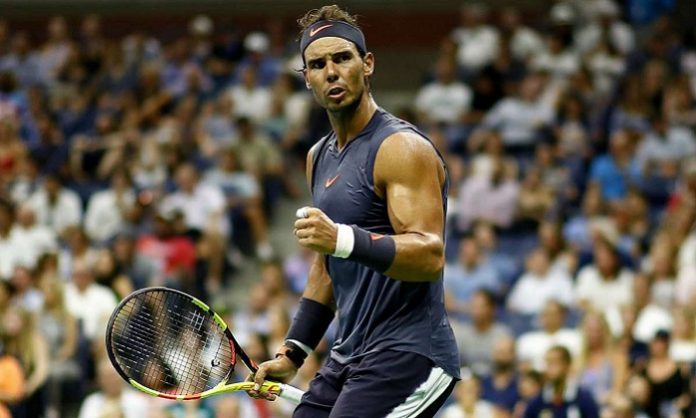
(302,345)
(345,240)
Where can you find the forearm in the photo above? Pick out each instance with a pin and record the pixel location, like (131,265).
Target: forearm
(419,257)
(319,287)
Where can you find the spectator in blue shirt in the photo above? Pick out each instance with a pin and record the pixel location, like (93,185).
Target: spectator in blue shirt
(500,387)
(611,172)
(561,397)
(471,273)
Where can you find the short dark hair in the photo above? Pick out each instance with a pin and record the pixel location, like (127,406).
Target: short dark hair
(564,352)
(488,296)
(332,12)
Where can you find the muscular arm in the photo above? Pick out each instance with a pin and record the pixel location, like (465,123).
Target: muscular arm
(409,174)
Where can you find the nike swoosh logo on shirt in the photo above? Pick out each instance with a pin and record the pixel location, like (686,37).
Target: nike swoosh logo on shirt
(319,29)
(375,237)
(331,181)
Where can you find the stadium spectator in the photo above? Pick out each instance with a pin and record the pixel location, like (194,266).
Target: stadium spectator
(113,399)
(56,206)
(477,337)
(533,345)
(529,387)
(89,302)
(669,384)
(471,272)
(683,346)
(476,40)
(561,395)
(469,404)
(250,99)
(26,294)
(12,384)
(500,387)
(539,284)
(111,210)
(38,239)
(108,273)
(445,100)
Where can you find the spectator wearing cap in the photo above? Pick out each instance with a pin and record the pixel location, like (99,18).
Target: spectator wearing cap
(477,337)
(669,383)
(532,345)
(561,395)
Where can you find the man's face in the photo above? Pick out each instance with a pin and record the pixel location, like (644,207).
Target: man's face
(336,73)
(552,317)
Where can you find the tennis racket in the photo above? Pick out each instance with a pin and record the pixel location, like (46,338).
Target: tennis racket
(171,345)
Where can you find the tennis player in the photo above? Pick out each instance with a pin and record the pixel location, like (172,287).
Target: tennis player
(379,191)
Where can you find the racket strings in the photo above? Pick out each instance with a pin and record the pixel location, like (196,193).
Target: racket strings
(165,342)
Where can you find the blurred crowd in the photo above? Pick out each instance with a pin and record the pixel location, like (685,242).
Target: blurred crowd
(571,241)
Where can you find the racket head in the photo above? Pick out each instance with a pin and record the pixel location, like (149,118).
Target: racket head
(169,344)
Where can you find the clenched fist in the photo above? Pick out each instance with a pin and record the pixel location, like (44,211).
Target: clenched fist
(315,230)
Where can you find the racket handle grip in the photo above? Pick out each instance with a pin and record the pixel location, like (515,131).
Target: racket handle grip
(290,393)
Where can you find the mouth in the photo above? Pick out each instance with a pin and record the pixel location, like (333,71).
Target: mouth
(336,93)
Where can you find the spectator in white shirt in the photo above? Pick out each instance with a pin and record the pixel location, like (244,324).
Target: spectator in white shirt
(661,150)
(539,284)
(524,41)
(87,301)
(110,210)
(12,250)
(558,58)
(469,403)
(683,346)
(476,40)
(606,23)
(114,399)
(533,345)
(56,206)
(605,283)
(520,118)
(36,240)
(445,100)
(249,98)
(203,207)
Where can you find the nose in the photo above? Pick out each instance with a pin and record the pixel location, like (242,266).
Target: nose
(331,75)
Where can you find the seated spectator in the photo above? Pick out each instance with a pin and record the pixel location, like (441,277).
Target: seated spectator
(532,346)
(605,22)
(112,210)
(87,301)
(558,58)
(529,387)
(56,206)
(26,294)
(13,249)
(604,364)
(60,329)
(491,199)
(477,337)
(561,395)
(469,403)
(476,41)
(486,148)
(296,268)
(669,387)
(631,113)
(244,200)
(604,283)
(108,274)
(78,248)
(250,99)
(524,41)
(577,231)
(683,346)
(520,118)
(649,317)
(445,100)
(507,266)
(660,266)
(540,284)
(563,258)
(469,274)
(24,341)
(611,172)
(500,387)
(36,240)
(536,199)
(113,399)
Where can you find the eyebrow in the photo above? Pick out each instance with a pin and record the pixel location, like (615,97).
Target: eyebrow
(333,54)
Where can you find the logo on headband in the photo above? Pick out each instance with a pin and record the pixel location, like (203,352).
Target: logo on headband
(319,29)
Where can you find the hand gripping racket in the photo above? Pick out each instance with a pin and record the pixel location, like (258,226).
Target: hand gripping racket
(171,345)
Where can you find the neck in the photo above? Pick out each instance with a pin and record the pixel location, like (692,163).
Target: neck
(348,123)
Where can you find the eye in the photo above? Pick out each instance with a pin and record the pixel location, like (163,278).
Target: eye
(343,57)
(316,64)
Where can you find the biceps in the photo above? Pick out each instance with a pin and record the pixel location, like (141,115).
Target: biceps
(416,207)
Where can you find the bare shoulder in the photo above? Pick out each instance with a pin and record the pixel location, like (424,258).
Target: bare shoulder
(405,155)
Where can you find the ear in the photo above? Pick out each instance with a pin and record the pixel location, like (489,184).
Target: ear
(368,64)
(306,79)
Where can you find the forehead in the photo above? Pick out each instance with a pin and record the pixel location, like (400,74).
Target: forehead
(327,46)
